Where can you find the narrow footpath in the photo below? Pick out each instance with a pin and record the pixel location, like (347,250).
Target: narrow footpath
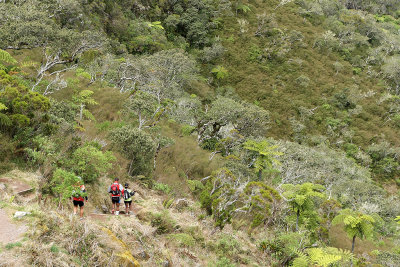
(10,232)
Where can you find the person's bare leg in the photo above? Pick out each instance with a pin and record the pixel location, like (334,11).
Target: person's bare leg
(75,210)
(81,212)
(130,208)
(117,212)
(126,208)
(113,208)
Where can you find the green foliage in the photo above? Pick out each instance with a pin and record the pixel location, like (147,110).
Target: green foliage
(356,224)
(6,57)
(266,154)
(146,107)
(182,239)
(163,222)
(323,257)
(187,130)
(247,119)
(223,262)
(144,37)
(137,146)
(162,187)
(285,246)
(168,202)
(220,72)
(90,162)
(65,184)
(243,8)
(20,108)
(228,245)
(156,24)
(13,245)
(302,197)
(260,198)
(195,185)
(83,99)
(82,73)
(54,249)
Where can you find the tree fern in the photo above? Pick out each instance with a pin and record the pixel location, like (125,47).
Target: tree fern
(6,57)
(356,224)
(301,261)
(302,197)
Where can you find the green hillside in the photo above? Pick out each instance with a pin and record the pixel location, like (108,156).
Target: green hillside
(256,133)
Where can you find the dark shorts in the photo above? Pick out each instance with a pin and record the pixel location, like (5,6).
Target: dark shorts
(78,203)
(128,202)
(115,200)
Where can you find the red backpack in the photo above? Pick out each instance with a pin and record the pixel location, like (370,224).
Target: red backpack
(115,189)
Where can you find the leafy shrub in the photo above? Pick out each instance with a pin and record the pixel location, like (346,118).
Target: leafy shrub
(138,146)
(54,249)
(162,187)
(227,245)
(64,183)
(82,73)
(187,130)
(285,246)
(163,222)
(195,185)
(168,202)
(182,239)
(209,144)
(13,245)
(351,150)
(223,262)
(90,162)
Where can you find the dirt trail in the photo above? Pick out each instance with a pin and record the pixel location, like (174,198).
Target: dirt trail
(10,232)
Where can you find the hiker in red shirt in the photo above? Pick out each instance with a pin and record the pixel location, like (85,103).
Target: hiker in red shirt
(116,191)
(78,197)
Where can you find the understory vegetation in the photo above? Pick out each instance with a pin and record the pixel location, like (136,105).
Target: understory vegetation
(258,133)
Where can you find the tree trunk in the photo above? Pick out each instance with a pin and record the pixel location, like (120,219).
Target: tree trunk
(352,248)
(130,167)
(297,220)
(81,112)
(353,243)
(260,175)
(156,155)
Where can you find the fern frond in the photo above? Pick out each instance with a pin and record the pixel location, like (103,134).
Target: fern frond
(301,261)
(27,64)
(2,107)
(5,120)
(6,57)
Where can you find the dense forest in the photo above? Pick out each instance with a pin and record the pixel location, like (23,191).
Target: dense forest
(255,132)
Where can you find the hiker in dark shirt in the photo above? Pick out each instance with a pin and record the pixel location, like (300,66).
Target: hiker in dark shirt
(116,191)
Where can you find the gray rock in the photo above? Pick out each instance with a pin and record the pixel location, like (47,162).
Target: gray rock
(105,208)
(20,214)
(2,187)
(166,263)
(143,255)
